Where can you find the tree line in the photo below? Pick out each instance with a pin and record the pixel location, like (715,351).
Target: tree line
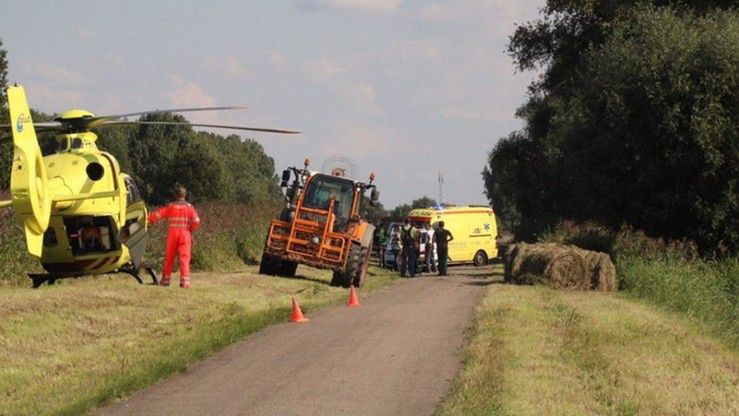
(634,120)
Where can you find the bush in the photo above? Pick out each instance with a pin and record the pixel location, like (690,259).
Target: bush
(231,235)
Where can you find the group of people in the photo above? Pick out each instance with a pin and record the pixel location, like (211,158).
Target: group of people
(435,243)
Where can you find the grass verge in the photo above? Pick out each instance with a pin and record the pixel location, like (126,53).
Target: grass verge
(67,348)
(670,274)
(706,292)
(535,351)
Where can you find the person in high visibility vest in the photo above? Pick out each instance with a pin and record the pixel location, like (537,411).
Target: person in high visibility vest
(182,221)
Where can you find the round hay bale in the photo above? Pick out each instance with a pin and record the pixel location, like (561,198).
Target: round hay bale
(559,266)
(531,265)
(602,269)
(517,256)
(512,262)
(567,270)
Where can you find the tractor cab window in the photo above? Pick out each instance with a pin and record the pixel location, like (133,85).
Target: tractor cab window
(322,189)
(133,192)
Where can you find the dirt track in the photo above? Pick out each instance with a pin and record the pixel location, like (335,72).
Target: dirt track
(394,355)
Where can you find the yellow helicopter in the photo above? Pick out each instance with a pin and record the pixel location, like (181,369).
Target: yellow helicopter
(81,215)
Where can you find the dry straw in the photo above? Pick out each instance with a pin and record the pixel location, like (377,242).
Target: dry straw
(560,266)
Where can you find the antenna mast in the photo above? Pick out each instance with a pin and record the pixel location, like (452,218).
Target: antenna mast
(441,188)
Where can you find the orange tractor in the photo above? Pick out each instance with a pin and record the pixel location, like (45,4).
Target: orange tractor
(321,226)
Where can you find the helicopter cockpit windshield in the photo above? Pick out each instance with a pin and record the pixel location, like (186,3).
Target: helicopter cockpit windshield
(324,188)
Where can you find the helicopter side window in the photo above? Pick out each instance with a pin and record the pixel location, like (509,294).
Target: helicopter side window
(63,144)
(77,143)
(133,192)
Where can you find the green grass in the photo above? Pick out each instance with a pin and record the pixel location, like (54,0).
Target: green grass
(538,351)
(706,292)
(670,274)
(69,347)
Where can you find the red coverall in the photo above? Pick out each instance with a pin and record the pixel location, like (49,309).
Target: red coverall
(183,220)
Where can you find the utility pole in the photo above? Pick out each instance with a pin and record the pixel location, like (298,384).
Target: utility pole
(441,188)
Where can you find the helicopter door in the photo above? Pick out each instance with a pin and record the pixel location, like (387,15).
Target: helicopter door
(133,232)
(90,234)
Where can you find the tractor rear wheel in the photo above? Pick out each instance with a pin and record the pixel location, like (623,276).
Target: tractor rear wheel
(347,277)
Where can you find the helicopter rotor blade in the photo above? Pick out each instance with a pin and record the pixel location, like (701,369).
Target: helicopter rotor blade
(40,127)
(216,126)
(173,110)
(97,121)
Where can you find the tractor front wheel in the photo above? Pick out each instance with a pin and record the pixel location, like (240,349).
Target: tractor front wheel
(347,277)
(287,268)
(361,275)
(269,264)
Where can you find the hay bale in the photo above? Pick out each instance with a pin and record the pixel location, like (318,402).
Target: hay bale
(567,270)
(559,266)
(509,259)
(602,269)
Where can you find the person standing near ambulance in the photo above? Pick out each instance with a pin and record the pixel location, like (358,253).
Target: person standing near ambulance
(409,241)
(429,249)
(182,221)
(442,237)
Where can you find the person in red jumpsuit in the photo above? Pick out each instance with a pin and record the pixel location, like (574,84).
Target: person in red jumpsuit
(182,220)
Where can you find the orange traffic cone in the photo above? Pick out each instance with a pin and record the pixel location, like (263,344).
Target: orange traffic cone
(353,302)
(297,313)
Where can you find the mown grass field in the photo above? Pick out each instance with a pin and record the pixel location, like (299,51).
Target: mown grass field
(540,351)
(69,347)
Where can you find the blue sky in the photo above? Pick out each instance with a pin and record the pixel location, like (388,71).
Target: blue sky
(404,88)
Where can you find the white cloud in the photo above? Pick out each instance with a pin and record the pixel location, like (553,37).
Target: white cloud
(363,98)
(322,70)
(53,99)
(360,142)
(188,94)
(382,6)
(278,61)
(227,65)
(473,114)
(56,75)
(85,33)
(436,12)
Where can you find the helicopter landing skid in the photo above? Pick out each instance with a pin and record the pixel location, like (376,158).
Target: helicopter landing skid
(39,279)
(149,270)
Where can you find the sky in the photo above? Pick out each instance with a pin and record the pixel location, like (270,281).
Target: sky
(410,90)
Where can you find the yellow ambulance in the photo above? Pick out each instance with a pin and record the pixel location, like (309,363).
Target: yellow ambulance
(473,228)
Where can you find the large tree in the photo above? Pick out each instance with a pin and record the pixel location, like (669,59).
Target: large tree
(6,146)
(633,121)
(3,76)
